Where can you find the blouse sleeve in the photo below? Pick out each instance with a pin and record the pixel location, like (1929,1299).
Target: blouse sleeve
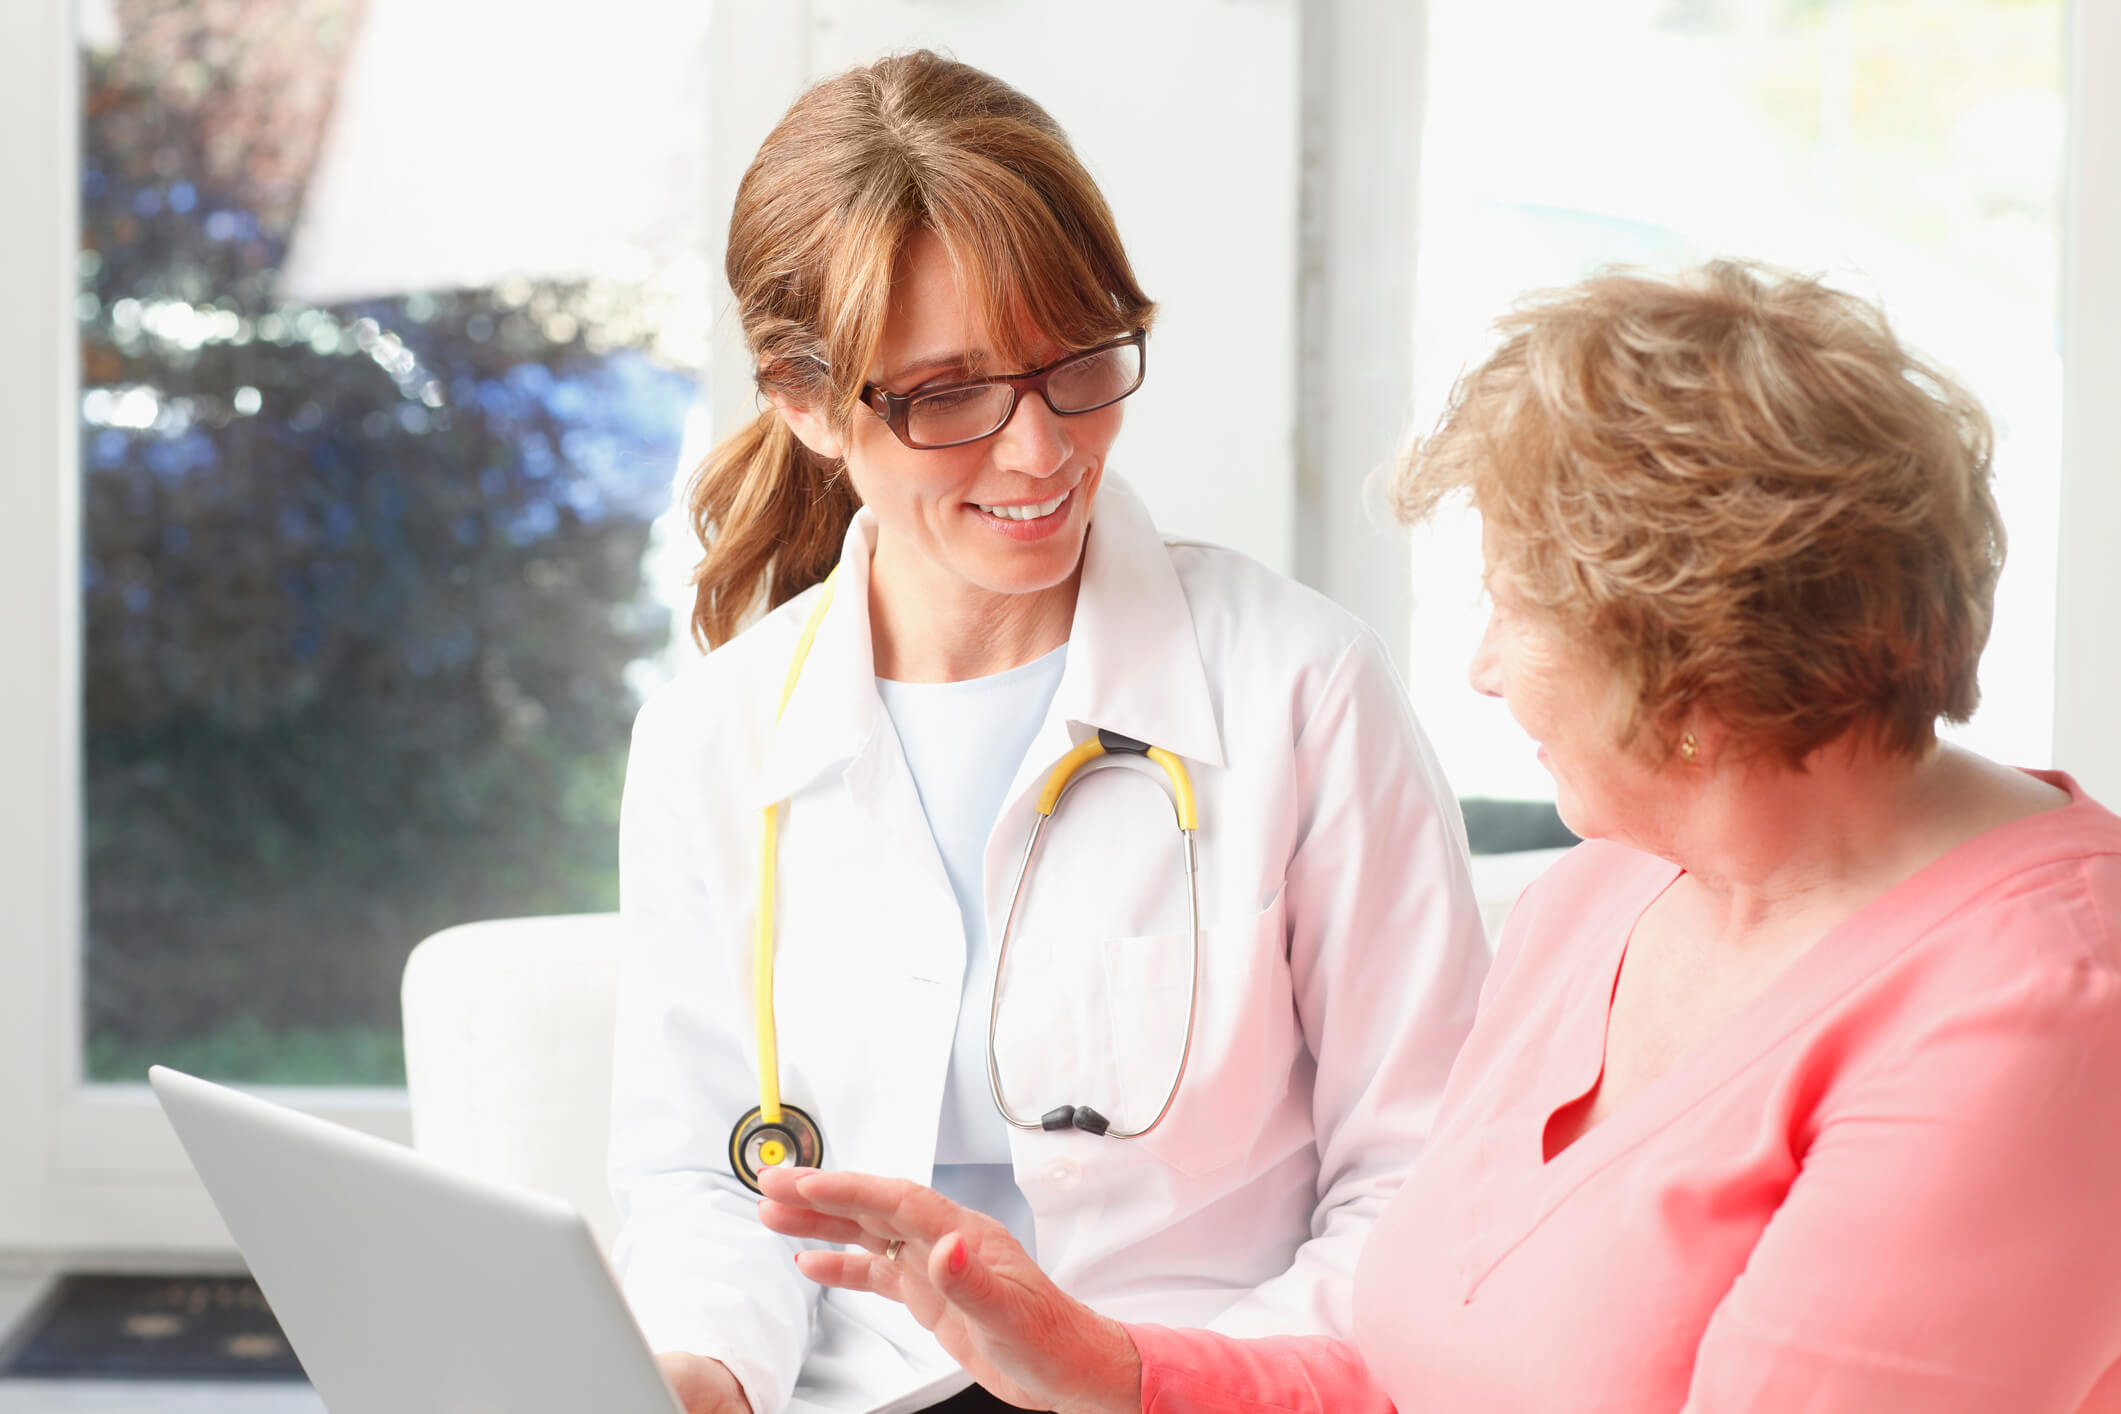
(1952,1242)
(1200,1372)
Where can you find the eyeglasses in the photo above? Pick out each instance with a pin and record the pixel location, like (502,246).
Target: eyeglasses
(956,413)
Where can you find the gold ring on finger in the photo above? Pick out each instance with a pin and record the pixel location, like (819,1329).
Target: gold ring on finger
(891,1248)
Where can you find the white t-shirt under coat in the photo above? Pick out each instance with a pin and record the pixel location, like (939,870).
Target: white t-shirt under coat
(963,742)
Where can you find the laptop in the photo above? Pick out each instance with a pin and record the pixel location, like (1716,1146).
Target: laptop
(406,1287)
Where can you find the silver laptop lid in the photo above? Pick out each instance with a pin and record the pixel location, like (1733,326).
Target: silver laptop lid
(408,1288)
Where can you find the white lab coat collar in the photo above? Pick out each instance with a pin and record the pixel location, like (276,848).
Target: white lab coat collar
(1134,664)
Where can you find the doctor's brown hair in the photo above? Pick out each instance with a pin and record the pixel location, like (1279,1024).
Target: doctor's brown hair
(857,166)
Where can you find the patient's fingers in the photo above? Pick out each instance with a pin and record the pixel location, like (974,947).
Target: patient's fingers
(889,1206)
(851,1271)
(806,1222)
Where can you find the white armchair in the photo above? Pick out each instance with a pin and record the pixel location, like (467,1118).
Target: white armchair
(508,1028)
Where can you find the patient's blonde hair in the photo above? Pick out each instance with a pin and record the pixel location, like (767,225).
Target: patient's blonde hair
(1743,491)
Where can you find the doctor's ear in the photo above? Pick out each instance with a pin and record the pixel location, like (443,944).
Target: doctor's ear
(810,425)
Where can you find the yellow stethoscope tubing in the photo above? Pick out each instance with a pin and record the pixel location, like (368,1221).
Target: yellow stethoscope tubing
(1087,751)
(1065,775)
(762,939)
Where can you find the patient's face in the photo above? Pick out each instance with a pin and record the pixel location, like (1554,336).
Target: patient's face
(1574,705)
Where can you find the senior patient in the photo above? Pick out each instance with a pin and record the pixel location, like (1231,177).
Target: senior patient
(1798,1085)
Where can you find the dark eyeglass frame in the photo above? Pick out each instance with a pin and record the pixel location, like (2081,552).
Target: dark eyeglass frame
(896,409)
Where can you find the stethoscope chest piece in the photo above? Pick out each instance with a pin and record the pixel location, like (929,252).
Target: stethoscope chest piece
(755,1144)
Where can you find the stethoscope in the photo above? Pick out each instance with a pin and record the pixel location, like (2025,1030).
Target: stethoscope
(774,1134)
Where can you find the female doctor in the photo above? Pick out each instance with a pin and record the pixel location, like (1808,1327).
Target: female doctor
(1226,1004)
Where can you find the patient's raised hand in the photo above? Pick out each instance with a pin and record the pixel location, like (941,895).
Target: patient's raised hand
(964,1278)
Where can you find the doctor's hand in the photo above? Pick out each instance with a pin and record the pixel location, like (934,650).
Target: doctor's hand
(703,1386)
(964,1278)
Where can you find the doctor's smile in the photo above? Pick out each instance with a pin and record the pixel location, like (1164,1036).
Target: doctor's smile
(1027,520)
(1020,511)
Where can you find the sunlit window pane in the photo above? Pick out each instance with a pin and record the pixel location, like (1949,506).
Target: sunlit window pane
(1909,150)
(362,543)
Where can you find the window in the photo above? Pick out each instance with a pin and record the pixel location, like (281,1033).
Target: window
(381,396)
(1909,150)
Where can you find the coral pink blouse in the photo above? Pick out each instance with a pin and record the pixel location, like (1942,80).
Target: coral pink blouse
(1891,1182)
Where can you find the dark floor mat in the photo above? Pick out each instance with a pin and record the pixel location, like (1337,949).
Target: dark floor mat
(160,1327)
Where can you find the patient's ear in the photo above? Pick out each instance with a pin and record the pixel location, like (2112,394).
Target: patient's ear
(810,426)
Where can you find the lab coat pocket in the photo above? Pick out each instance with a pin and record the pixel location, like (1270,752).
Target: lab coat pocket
(1244,1036)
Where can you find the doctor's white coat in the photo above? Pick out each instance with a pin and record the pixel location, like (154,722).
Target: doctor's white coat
(1341,958)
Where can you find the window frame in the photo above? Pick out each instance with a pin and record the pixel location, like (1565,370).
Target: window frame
(2088,573)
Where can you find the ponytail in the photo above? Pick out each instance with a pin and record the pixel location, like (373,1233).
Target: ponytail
(771,515)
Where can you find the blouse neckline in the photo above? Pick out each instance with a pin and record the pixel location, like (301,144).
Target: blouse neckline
(1843,958)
